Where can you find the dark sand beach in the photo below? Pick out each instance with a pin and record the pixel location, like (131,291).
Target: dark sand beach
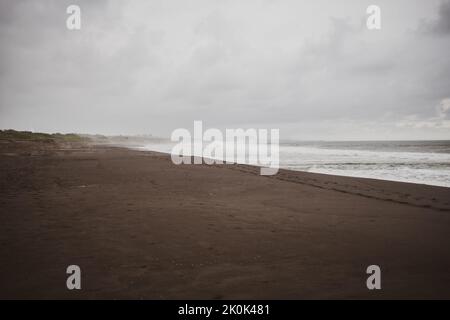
(141,227)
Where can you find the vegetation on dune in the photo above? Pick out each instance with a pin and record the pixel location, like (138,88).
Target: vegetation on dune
(39,136)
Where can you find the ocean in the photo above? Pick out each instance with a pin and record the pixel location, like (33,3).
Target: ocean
(423,162)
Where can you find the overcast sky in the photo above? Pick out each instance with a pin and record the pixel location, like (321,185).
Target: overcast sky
(309,68)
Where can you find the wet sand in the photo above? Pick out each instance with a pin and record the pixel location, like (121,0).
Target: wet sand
(141,227)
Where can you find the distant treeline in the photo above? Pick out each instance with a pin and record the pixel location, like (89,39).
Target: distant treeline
(28,135)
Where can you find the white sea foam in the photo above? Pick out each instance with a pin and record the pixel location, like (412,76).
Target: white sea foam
(417,162)
(417,167)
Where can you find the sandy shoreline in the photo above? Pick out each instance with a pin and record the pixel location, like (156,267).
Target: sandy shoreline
(141,227)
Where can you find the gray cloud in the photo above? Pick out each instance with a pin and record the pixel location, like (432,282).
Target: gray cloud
(310,68)
(441,24)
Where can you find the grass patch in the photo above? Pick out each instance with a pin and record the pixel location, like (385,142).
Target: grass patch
(39,136)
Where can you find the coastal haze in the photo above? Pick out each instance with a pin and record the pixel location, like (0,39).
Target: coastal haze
(87,178)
